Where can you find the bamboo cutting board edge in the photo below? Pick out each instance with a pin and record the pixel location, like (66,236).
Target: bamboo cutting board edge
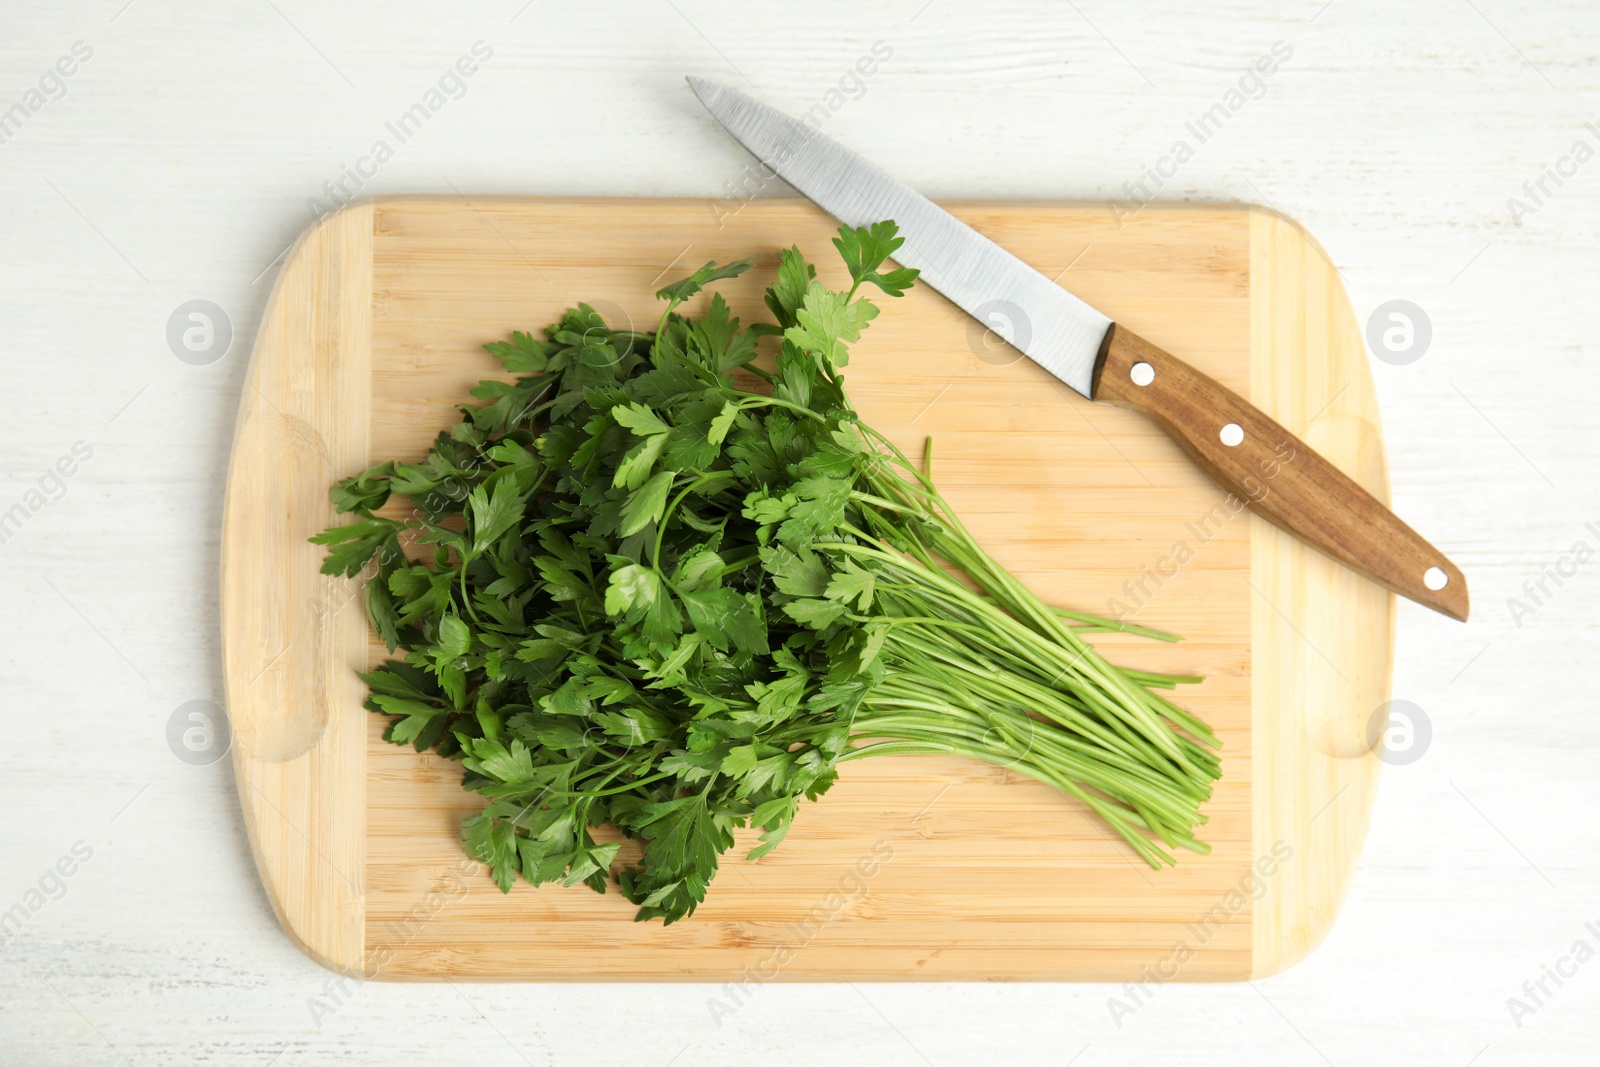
(299,767)
(1315,772)
(301,776)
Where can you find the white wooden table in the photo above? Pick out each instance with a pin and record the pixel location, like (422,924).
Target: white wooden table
(177,159)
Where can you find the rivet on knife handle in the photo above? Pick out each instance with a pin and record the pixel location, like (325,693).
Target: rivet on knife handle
(1276,473)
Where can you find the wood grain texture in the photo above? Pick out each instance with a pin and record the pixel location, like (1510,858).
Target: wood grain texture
(293,641)
(910,867)
(1327,631)
(1278,476)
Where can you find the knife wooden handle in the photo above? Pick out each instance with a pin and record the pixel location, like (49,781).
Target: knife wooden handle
(1277,475)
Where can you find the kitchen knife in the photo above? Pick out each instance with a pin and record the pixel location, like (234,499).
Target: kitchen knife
(1244,451)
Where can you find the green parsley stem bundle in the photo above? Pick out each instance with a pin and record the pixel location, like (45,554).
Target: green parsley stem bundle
(632,593)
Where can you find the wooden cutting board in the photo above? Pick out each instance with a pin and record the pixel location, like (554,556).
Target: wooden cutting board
(912,867)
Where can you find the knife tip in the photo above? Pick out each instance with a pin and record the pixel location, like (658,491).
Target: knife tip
(703,87)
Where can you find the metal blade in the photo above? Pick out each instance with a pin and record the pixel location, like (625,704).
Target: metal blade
(1045,322)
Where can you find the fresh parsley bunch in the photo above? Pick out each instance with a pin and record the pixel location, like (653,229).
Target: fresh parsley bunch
(633,594)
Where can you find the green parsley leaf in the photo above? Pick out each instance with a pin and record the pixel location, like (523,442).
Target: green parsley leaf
(827,322)
(647,503)
(679,291)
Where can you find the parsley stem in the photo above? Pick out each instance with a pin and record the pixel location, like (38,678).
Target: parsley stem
(774,402)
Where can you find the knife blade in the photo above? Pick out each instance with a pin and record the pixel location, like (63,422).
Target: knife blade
(1243,449)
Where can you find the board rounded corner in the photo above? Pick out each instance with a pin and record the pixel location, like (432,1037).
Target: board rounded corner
(327,947)
(1269,215)
(1277,963)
